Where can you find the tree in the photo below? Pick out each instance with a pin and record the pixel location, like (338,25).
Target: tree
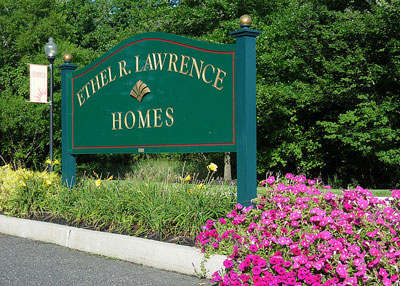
(327,74)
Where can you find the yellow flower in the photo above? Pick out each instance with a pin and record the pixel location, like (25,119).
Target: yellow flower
(98,183)
(200,187)
(22,184)
(188,178)
(47,182)
(110,178)
(55,162)
(213,167)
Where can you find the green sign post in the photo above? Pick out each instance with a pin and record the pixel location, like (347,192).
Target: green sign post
(159,92)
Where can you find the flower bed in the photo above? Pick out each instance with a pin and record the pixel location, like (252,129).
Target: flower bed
(296,234)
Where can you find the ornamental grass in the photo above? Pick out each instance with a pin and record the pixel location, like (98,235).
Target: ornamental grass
(172,211)
(298,232)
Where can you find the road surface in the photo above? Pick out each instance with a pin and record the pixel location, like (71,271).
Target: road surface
(24,262)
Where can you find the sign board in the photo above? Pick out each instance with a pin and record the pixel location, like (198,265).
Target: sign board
(154,93)
(159,92)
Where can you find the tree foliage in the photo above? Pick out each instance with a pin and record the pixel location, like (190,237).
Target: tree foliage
(327,74)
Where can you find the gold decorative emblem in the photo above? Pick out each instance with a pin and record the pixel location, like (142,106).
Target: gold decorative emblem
(139,90)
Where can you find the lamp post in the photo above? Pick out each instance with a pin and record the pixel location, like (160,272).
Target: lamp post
(51,51)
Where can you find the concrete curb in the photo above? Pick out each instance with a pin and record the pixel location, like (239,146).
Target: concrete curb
(161,255)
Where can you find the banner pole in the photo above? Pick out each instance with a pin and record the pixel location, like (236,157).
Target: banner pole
(50,166)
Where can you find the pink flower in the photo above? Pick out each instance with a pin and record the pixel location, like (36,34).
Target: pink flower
(383,272)
(271,180)
(309,279)
(287,264)
(283,240)
(253,248)
(396,193)
(238,206)
(374,251)
(256,270)
(341,269)
(289,176)
(242,266)
(363,204)
(296,251)
(228,263)
(234,275)
(222,221)
(388,211)
(244,277)
(386,282)
(318,265)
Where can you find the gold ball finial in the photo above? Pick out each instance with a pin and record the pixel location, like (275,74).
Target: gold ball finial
(67,57)
(245,20)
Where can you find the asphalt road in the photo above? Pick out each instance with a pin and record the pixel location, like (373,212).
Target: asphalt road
(24,262)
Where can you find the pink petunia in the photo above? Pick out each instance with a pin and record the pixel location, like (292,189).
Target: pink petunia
(244,277)
(396,193)
(256,270)
(319,264)
(287,264)
(234,275)
(386,282)
(253,248)
(228,263)
(388,211)
(383,272)
(271,180)
(374,251)
(296,251)
(238,206)
(341,269)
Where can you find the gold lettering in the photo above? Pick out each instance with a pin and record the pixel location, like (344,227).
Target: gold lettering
(80,97)
(172,62)
(137,64)
(219,79)
(148,63)
(204,73)
(198,71)
(159,62)
(184,64)
(97,83)
(110,75)
(133,120)
(122,68)
(143,121)
(87,90)
(118,120)
(104,80)
(169,115)
(157,117)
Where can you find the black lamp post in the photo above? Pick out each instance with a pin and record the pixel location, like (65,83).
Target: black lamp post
(51,51)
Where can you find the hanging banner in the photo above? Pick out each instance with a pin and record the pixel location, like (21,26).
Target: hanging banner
(38,83)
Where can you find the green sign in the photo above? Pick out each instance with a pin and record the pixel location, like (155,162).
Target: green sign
(154,93)
(158,93)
